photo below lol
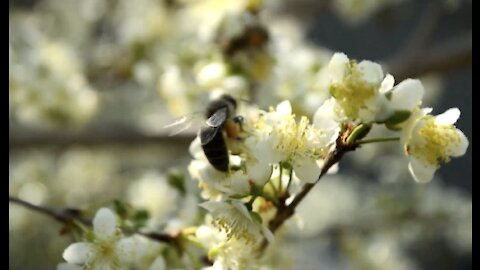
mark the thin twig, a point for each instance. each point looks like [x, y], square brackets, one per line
[284, 211]
[417, 57]
[423, 32]
[67, 215]
[93, 137]
[448, 56]
[64, 215]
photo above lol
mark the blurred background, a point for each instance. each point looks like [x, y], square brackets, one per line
[93, 82]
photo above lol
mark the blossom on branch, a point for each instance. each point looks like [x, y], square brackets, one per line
[107, 250]
[431, 140]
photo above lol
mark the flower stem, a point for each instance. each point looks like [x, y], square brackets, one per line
[249, 204]
[290, 177]
[280, 179]
[375, 140]
[285, 211]
[68, 215]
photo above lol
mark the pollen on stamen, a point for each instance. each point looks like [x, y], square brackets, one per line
[438, 142]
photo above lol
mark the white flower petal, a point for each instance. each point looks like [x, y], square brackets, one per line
[307, 170]
[77, 253]
[211, 74]
[268, 234]
[421, 171]
[195, 148]
[371, 108]
[372, 72]
[387, 84]
[242, 208]
[449, 117]
[104, 223]
[264, 149]
[460, 148]
[338, 66]
[284, 108]
[129, 249]
[259, 172]
[325, 116]
[209, 236]
[158, 264]
[239, 183]
[384, 110]
[211, 206]
[407, 95]
[426, 111]
[68, 266]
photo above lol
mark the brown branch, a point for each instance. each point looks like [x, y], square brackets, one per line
[417, 57]
[451, 55]
[284, 211]
[93, 138]
[68, 215]
[448, 56]
[64, 215]
[423, 32]
[304, 11]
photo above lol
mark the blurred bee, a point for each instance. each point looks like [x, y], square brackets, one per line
[220, 116]
[254, 36]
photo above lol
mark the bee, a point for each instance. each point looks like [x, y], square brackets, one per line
[220, 114]
[221, 121]
[254, 36]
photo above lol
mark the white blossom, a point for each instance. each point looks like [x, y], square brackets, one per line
[432, 140]
[108, 250]
[153, 193]
[403, 98]
[215, 184]
[355, 87]
[237, 222]
[211, 74]
[277, 137]
[226, 253]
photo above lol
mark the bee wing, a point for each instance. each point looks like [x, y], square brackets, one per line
[207, 133]
[218, 118]
[182, 124]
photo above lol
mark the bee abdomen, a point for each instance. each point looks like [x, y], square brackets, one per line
[216, 152]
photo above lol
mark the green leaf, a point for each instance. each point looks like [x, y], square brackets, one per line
[359, 132]
[256, 190]
[120, 208]
[398, 117]
[256, 217]
[177, 180]
[140, 218]
[393, 127]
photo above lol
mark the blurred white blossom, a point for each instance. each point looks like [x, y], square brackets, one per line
[108, 249]
[153, 193]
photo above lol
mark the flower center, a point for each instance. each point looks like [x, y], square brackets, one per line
[438, 141]
[353, 92]
[235, 225]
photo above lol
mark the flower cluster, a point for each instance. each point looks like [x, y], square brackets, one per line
[277, 151]
[361, 94]
[48, 86]
[326, 105]
[274, 153]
